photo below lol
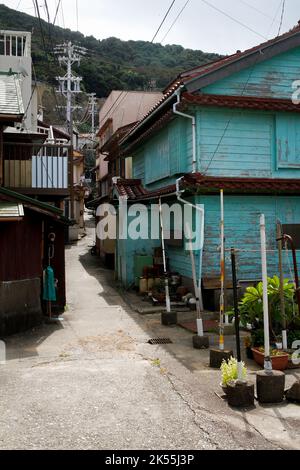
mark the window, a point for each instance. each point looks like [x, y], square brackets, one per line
[288, 141]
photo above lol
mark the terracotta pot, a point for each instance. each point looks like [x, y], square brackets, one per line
[278, 362]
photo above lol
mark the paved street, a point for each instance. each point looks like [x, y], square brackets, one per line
[93, 381]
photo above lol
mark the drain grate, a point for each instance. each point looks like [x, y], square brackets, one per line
[160, 341]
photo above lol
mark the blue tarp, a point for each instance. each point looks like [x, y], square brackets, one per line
[49, 292]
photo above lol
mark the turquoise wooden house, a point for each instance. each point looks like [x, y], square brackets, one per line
[233, 125]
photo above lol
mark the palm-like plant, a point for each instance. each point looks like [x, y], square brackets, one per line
[251, 305]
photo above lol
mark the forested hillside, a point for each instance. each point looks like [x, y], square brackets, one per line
[110, 63]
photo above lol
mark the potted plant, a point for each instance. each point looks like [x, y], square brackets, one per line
[229, 372]
[279, 358]
[251, 310]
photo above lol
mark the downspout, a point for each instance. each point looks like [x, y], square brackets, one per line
[188, 116]
[202, 212]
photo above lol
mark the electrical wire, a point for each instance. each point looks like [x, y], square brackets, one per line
[77, 15]
[18, 6]
[56, 12]
[175, 21]
[232, 18]
[233, 113]
[255, 9]
[164, 19]
[281, 19]
[35, 2]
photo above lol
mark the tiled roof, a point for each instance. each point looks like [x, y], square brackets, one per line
[189, 75]
[203, 69]
[130, 188]
[112, 143]
[203, 183]
[11, 103]
[249, 102]
[197, 182]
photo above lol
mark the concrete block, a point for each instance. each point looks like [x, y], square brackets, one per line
[270, 386]
[217, 356]
[169, 318]
[201, 342]
[240, 395]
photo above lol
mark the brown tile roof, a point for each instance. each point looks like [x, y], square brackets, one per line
[134, 190]
[203, 183]
[249, 102]
[185, 77]
[197, 182]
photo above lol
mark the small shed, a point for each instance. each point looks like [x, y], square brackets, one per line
[25, 225]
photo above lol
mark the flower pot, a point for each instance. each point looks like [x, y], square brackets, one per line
[224, 388]
[279, 362]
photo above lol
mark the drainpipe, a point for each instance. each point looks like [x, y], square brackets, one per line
[188, 116]
[201, 210]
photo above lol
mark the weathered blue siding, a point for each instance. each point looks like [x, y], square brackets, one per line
[272, 78]
[235, 143]
[127, 249]
[248, 144]
[167, 154]
[242, 231]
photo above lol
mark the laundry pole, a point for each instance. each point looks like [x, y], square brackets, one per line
[222, 273]
[196, 287]
[167, 292]
[267, 362]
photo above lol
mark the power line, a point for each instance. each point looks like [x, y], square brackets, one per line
[19, 3]
[176, 19]
[36, 5]
[232, 18]
[77, 15]
[282, 15]
[233, 113]
[56, 12]
[114, 104]
[256, 9]
[164, 19]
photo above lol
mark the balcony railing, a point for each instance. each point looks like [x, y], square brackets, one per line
[15, 44]
[33, 168]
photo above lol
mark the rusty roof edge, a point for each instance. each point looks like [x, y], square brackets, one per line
[240, 56]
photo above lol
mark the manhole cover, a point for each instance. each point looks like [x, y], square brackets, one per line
[160, 341]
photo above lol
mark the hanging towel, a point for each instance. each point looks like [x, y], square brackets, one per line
[49, 292]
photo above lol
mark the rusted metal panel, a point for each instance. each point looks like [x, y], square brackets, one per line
[20, 249]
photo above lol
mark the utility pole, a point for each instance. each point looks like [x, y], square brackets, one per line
[92, 111]
[69, 85]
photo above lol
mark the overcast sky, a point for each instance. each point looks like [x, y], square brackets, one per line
[199, 26]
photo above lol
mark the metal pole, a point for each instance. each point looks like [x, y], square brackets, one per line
[168, 302]
[289, 238]
[281, 289]
[222, 269]
[196, 288]
[236, 315]
[267, 362]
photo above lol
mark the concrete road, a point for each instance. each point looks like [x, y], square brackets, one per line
[93, 381]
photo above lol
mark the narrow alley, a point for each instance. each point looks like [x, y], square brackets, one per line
[94, 382]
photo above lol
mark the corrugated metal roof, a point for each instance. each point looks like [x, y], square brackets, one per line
[10, 210]
[10, 95]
